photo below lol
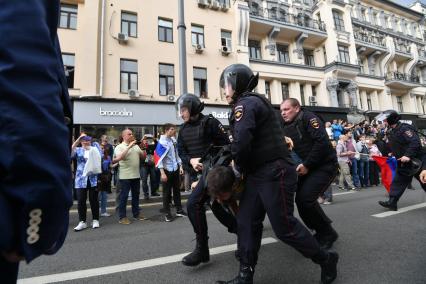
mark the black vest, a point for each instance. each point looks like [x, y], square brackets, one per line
[268, 139]
[194, 137]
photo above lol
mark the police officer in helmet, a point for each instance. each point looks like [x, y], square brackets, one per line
[260, 153]
[197, 134]
[406, 147]
[317, 168]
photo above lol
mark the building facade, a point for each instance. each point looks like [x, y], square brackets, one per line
[338, 57]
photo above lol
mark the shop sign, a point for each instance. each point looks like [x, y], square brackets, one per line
[221, 115]
[122, 112]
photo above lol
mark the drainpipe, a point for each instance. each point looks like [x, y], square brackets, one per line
[101, 67]
[182, 48]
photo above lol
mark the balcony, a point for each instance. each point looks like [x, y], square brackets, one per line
[287, 19]
[370, 38]
[402, 81]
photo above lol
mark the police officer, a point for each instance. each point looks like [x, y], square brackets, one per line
[406, 147]
[196, 135]
[317, 168]
[35, 172]
[270, 177]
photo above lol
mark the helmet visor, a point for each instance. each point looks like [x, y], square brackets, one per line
[182, 106]
[382, 116]
[227, 85]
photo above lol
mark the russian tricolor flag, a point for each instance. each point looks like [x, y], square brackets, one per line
[388, 169]
[159, 153]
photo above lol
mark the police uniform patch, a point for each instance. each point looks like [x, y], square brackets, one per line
[409, 133]
[238, 112]
[314, 123]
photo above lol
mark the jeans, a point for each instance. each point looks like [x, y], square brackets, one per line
[145, 172]
[354, 169]
[127, 185]
[364, 172]
[103, 197]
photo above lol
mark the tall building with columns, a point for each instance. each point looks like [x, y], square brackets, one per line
[341, 58]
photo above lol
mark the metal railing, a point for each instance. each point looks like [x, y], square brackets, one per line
[402, 47]
[369, 37]
[402, 77]
[287, 18]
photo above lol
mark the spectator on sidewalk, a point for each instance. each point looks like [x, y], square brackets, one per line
[337, 129]
[329, 130]
[129, 155]
[374, 168]
[353, 158]
[105, 145]
[148, 167]
[86, 180]
[364, 167]
[170, 166]
[104, 183]
[343, 160]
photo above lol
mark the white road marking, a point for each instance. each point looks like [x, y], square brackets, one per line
[125, 267]
[400, 210]
[343, 193]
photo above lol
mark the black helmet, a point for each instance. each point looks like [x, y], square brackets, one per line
[191, 102]
[391, 116]
[239, 77]
[410, 168]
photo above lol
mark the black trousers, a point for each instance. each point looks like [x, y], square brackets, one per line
[310, 187]
[400, 183]
[270, 190]
[93, 200]
[8, 271]
[374, 173]
[172, 184]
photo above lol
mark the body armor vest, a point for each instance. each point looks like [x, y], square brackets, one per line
[194, 137]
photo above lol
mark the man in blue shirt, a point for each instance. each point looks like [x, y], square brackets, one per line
[35, 176]
[170, 166]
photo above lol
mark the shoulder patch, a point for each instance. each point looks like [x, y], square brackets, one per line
[314, 123]
[238, 112]
[409, 133]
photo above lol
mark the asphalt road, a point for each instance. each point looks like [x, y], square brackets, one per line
[390, 249]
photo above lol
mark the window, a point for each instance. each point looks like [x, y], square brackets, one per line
[226, 39]
[399, 103]
[129, 24]
[363, 14]
[69, 67]
[197, 35]
[387, 24]
[374, 18]
[314, 95]
[167, 79]
[200, 82]
[254, 49]
[283, 55]
[302, 94]
[128, 75]
[268, 90]
[285, 91]
[165, 30]
[369, 106]
[68, 17]
[325, 55]
[338, 21]
[309, 57]
[344, 54]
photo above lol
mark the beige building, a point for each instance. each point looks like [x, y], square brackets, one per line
[336, 56]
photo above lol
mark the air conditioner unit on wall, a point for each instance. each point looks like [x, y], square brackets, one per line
[198, 48]
[133, 93]
[225, 50]
[171, 98]
[215, 5]
[203, 3]
[313, 99]
[122, 38]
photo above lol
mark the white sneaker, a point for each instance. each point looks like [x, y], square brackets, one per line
[326, 202]
[81, 226]
[105, 214]
[95, 224]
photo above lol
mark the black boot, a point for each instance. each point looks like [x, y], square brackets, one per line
[245, 276]
[390, 204]
[329, 268]
[326, 237]
[200, 254]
